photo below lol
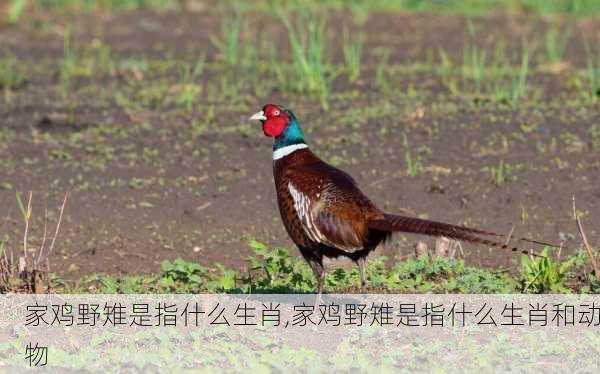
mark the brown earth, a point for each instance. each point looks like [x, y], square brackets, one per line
[145, 187]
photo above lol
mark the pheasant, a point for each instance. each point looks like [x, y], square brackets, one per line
[324, 211]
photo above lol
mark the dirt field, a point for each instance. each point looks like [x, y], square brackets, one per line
[161, 162]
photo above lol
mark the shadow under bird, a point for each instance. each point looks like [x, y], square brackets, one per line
[324, 211]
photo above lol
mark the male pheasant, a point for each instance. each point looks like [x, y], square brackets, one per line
[324, 211]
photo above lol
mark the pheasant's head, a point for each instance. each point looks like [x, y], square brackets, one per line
[281, 124]
[274, 119]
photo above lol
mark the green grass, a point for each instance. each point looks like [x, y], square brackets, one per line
[12, 75]
[309, 70]
[189, 90]
[352, 48]
[359, 8]
[228, 43]
[413, 165]
[381, 74]
[93, 5]
[544, 274]
[498, 174]
[277, 271]
[473, 67]
[592, 74]
[556, 41]
[445, 70]
[594, 134]
[15, 10]
[491, 77]
[474, 61]
[69, 64]
[519, 82]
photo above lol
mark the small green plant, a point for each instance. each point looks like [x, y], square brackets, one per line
[228, 44]
[381, 78]
[594, 133]
[188, 94]
[446, 72]
[556, 41]
[279, 271]
[192, 72]
[592, 73]
[360, 11]
[474, 60]
[104, 61]
[200, 125]
[223, 280]
[181, 275]
[68, 65]
[309, 58]
[413, 166]
[518, 88]
[498, 174]
[135, 67]
[15, 10]
[512, 89]
[594, 284]
[543, 274]
[11, 75]
[353, 55]
[445, 274]
[189, 90]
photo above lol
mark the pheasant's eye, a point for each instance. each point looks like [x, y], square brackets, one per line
[275, 112]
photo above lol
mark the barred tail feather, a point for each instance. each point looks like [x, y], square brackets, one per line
[392, 223]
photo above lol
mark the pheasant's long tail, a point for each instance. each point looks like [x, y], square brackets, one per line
[393, 223]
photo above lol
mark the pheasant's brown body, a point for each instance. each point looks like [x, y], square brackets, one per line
[327, 215]
[321, 206]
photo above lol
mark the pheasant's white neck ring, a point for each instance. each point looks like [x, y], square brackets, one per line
[284, 151]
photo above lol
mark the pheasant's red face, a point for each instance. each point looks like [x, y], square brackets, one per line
[273, 119]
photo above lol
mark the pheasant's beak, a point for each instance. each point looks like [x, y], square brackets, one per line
[260, 116]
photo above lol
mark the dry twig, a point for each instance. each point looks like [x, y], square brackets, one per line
[509, 236]
[584, 239]
[60, 216]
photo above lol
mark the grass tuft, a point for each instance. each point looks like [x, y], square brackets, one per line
[309, 56]
[556, 40]
[352, 49]
[27, 270]
[544, 274]
[228, 44]
[12, 75]
[592, 74]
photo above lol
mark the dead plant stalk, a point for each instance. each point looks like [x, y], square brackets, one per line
[584, 239]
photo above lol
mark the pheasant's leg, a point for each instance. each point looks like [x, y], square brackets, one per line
[319, 272]
[315, 261]
[320, 275]
[361, 262]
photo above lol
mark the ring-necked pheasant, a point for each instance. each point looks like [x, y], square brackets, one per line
[324, 211]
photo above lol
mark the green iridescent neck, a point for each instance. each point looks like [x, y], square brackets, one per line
[290, 136]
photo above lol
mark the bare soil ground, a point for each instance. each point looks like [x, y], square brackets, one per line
[150, 179]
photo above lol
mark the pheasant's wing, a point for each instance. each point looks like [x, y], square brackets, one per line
[331, 208]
